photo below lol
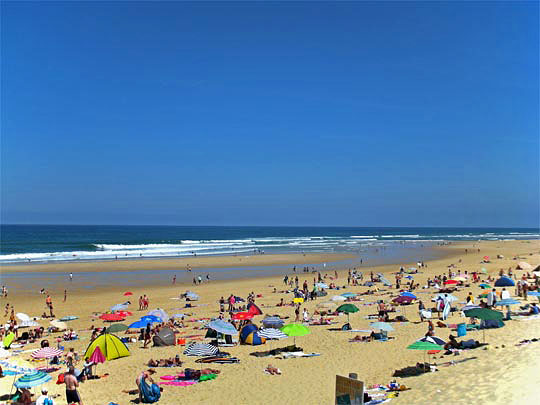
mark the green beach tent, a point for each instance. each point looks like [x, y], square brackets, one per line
[110, 345]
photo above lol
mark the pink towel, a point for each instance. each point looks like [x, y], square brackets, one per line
[172, 377]
[179, 383]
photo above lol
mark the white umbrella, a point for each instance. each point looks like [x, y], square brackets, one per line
[160, 313]
[23, 317]
[338, 298]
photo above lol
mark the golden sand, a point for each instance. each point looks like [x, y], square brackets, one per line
[496, 376]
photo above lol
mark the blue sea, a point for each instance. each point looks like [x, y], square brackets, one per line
[57, 243]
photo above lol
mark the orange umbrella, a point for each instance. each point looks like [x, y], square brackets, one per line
[242, 316]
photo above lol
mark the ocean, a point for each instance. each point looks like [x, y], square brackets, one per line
[57, 243]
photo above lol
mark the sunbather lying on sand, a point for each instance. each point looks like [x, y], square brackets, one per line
[270, 369]
[170, 362]
[359, 338]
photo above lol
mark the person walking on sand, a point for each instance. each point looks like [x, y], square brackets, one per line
[297, 313]
[65, 295]
[174, 279]
[72, 395]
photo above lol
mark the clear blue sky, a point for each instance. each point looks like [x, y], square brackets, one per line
[367, 114]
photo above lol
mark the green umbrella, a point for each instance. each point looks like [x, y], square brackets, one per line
[425, 346]
[295, 329]
[348, 309]
[484, 314]
[117, 327]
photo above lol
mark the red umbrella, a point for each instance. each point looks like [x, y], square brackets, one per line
[112, 317]
[97, 356]
[124, 313]
[451, 282]
[128, 293]
[242, 316]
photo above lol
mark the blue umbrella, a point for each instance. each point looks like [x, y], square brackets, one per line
[151, 318]
[223, 327]
[507, 301]
[408, 294]
[32, 379]
[273, 322]
[139, 324]
[348, 295]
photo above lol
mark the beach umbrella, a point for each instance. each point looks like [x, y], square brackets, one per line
[484, 314]
[119, 307]
[139, 324]
[22, 316]
[97, 356]
[424, 346]
[408, 294]
[112, 317]
[507, 301]
[348, 295]
[432, 339]
[58, 324]
[124, 313]
[322, 285]
[69, 318]
[151, 318]
[384, 326]
[46, 353]
[271, 333]
[128, 293]
[295, 329]
[273, 322]
[117, 327]
[178, 315]
[192, 296]
[484, 286]
[505, 282]
[28, 324]
[160, 313]
[403, 300]
[242, 316]
[338, 298]
[223, 327]
[347, 309]
[33, 379]
[200, 350]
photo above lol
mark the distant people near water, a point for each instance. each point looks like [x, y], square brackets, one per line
[70, 276]
[140, 303]
[199, 279]
[65, 295]
[174, 279]
[207, 277]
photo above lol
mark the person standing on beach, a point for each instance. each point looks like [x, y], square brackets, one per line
[174, 279]
[70, 276]
[297, 313]
[72, 396]
[65, 295]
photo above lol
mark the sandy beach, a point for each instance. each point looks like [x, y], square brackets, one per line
[493, 376]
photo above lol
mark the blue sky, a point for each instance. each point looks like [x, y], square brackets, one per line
[358, 114]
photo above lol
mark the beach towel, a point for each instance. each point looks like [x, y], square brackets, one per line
[178, 383]
[149, 393]
[299, 354]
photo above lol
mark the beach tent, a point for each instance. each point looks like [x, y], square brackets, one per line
[246, 331]
[110, 345]
[505, 282]
[254, 339]
[160, 313]
[254, 309]
[165, 337]
[524, 266]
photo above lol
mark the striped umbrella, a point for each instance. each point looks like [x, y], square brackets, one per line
[271, 333]
[32, 379]
[432, 339]
[46, 353]
[200, 350]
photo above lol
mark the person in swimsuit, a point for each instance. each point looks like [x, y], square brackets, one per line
[72, 396]
[144, 376]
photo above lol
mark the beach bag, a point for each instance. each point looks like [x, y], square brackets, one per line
[48, 401]
[461, 329]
